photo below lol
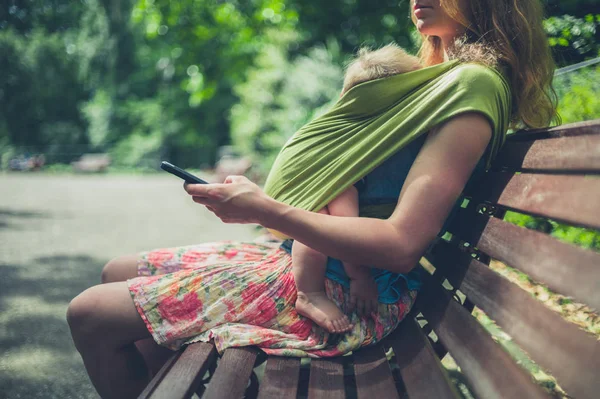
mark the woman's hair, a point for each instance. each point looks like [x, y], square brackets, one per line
[512, 31]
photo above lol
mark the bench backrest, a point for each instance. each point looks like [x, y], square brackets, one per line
[552, 173]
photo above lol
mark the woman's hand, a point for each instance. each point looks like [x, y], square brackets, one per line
[363, 295]
[237, 200]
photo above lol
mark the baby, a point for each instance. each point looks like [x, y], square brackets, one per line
[308, 265]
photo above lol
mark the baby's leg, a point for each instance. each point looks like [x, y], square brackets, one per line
[308, 267]
[363, 289]
[346, 204]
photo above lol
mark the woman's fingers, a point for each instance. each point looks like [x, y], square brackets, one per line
[360, 307]
[372, 306]
[352, 303]
[236, 179]
[204, 200]
[238, 200]
[202, 190]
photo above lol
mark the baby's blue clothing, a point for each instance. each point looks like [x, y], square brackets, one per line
[382, 186]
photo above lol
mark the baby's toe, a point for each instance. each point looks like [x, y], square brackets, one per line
[330, 326]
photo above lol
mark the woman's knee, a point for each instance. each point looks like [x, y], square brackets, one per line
[82, 316]
[105, 314]
[120, 269]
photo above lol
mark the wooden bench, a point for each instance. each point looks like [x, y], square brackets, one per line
[552, 173]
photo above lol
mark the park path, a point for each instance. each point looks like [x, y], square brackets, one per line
[56, 233]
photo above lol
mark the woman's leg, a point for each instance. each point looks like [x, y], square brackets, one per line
[122, 269]
[104, 325]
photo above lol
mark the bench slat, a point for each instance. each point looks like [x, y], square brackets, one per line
[373, 374]
[182, 373]
[566, 198]
[570, 354]
[232, 374]
[567, 130]
[573, 154]
[156, 380]
[326, 379]
[421, 370]
[490, 371]
[563, 267]
[281, 378]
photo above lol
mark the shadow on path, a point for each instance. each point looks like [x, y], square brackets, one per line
[40, 360]
[6, 214]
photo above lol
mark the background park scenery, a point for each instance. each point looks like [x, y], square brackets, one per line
[193, 82]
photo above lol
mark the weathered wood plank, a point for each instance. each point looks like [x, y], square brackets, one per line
[571, 355]
[579, 154]
[183, 373]
[566, 198]
[567, 130]
[373, 374]
[281, 378]
[232, 374]
[422, 372]
[490, 371]
[326, 379]
[156, 380]
[563, 267]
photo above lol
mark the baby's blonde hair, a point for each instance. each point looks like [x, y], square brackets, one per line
[374, 64]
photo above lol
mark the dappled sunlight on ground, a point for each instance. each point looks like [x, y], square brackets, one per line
[56, 233]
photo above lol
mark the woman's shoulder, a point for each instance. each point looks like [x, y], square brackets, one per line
[478, 77]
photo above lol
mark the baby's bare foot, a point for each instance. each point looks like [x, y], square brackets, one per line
[320, 309]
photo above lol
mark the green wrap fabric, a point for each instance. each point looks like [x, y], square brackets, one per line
[374, 120]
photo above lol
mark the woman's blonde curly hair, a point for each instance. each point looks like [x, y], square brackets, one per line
[507, 34]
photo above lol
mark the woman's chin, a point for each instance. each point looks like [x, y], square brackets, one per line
[424, 27]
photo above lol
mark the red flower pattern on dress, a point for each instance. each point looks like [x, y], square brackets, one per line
[175, 310]
[231, 253]
[232, 311]
[159, 257]
[193, 256]
[253, 291]
[266, 312]
[302, 328]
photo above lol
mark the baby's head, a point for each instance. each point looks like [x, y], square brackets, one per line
[374, 64]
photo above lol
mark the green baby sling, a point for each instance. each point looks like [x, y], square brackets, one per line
[376, 119]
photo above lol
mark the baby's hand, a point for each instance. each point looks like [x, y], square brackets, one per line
[363, 295]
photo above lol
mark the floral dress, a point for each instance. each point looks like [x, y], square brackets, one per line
[240, 294]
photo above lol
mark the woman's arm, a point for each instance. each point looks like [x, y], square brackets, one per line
[436, 179]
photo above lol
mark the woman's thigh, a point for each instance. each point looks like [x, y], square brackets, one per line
[106, 314]
[121, 269]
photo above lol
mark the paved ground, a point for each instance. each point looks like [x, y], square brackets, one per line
[56, 233]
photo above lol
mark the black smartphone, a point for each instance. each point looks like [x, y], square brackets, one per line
[188, 177]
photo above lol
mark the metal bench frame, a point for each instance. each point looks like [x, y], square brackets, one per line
[552, 173]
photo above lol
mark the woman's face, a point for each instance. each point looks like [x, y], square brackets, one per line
[432, 20]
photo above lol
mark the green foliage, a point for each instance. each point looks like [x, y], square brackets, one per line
[578, 8]
[150, 79]
[202, 51]
[355, 23]
[582, 237]
[40, 93]
[579, 95]
[573, 39]
[281, 95]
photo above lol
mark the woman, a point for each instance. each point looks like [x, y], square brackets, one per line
[244, 294]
